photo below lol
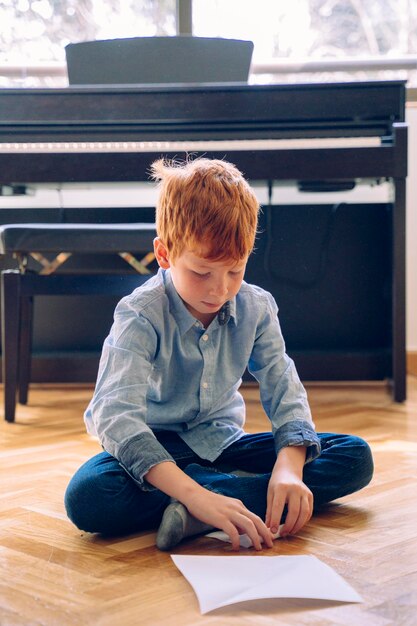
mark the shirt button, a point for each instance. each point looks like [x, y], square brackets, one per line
[205, 337]
[205, 385]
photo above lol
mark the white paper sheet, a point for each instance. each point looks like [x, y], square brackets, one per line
[223, 580]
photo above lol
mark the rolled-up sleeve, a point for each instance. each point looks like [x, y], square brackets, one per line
[118, 410]
[282, 394]
[298, 433]
[139, 454]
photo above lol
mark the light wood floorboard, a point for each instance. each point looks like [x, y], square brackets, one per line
[55, 575]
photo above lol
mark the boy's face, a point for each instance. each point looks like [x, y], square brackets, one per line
[204, 285]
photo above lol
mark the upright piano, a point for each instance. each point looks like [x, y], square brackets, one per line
[316, 133]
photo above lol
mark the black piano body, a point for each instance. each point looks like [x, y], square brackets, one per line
[59, 118]
[335, 132]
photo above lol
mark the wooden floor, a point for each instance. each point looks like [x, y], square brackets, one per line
[53, 574]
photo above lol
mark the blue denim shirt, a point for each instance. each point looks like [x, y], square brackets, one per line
[160, 369]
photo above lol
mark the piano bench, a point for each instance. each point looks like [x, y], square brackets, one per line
[20, 286]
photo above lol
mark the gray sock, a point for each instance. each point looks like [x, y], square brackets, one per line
[230, 469]
[176, 525]
[242, 473]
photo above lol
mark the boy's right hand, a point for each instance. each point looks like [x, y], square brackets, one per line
[222, 512]
[231, 516]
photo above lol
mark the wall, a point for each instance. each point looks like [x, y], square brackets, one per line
[412, 230]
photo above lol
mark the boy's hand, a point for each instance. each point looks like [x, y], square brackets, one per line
[286, 487]
[228, 514]
[231, 516]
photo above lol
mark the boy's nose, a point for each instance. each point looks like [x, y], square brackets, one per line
[219, 288]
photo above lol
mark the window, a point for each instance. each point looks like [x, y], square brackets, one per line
[382, 34]
[37, 31]
[312, 30]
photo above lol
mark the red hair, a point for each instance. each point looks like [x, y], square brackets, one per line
[205, 204]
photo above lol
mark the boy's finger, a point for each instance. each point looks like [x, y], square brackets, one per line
[276, 513]
[257, 532]
[294, 510]
[252, 532]
[264, 533]
[269, 501]
[233, 534]
[304, 516]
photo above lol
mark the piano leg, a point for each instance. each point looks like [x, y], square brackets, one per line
[10, 329]
[399, 371]
[25, 347]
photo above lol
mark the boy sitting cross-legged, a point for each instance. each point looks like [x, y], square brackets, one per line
[167, 408]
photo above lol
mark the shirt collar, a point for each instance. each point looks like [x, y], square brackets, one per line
[227, 312]
[183, 317]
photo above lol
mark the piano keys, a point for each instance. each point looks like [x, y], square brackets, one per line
[164, 147]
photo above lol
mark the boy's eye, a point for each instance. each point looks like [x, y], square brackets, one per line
[201, 275]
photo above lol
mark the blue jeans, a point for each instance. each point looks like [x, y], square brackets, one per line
[102, 498]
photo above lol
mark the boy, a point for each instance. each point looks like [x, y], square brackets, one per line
[166, 407]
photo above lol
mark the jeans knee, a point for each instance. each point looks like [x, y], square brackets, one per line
[102, 498]
[364, 464]
[70, 502]
[90, 501]
[78, 504]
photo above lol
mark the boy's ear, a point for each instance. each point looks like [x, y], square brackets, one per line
[161, 253]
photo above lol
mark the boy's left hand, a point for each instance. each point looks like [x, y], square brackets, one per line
[286, 487]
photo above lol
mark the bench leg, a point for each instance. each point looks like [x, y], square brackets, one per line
[25, 347]
[10, 326]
